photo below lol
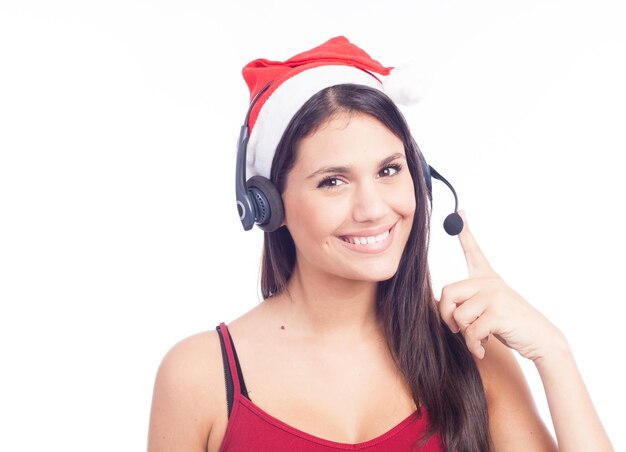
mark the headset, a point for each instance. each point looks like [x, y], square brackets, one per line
[260, 203]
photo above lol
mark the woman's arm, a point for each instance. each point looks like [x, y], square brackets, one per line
[514, 422]
[484, 306]
[576, 423]
[181, 414]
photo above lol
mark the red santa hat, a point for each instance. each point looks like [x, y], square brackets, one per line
[294, 81]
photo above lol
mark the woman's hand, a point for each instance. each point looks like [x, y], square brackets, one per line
[484, 304]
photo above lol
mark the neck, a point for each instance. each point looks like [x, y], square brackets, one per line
[331, 307]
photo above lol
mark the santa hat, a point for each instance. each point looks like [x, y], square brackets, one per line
[295, 80]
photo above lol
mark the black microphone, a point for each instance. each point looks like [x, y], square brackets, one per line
[453, 224]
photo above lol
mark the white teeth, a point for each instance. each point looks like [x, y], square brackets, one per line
[367, 240]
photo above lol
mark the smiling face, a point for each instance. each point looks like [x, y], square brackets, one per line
[349, 199]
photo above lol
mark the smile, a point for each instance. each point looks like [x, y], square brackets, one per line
[367, 240]
[369, 244]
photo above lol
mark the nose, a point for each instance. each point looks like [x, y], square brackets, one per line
[369, 203]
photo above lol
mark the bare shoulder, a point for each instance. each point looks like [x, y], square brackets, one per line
[514, 422]
[187, 394]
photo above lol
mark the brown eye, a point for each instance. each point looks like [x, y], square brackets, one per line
[330, 182]
[390, 170]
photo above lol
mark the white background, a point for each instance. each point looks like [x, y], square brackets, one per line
[118, 229]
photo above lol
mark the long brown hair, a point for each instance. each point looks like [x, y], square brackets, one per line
[439, 369]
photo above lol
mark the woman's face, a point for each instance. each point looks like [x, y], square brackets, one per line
[349, 199]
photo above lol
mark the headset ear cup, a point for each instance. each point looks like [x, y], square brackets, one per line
[267, 202]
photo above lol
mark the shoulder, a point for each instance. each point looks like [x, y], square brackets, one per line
[190, 355]
[514, 422]
[188, 394]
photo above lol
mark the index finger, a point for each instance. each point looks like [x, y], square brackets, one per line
[477, 263]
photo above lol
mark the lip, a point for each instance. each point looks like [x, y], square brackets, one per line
[370, 248]
[370, 232]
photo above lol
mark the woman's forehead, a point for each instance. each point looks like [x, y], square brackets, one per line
[348, 139]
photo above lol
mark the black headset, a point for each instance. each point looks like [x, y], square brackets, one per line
[260, 203]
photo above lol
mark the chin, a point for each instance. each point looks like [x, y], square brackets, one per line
[376, 273]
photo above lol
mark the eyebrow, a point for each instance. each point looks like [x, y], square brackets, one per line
[346, 169]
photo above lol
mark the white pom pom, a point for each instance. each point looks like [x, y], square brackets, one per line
[407, 84]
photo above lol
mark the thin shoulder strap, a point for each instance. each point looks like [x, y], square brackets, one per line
[232, 370]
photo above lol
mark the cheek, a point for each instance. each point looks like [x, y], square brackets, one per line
[406, 203]
[309, 219]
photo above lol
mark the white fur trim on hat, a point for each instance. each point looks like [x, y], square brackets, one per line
[285, 101]
[407, 84]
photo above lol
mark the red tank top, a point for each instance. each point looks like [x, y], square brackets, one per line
[251, 428]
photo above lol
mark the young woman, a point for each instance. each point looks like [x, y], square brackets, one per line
[350, 348]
